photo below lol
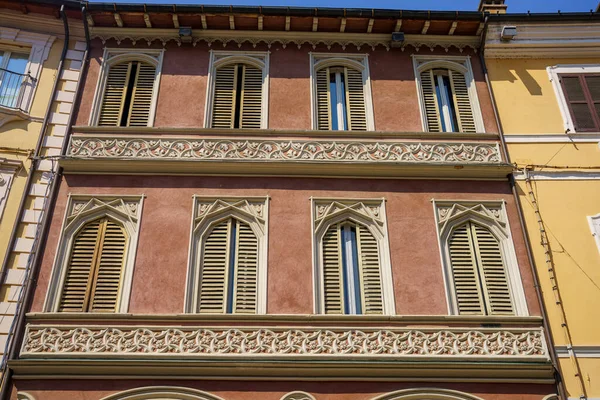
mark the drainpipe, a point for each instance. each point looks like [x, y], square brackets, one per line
[562, 393]
[37, 251]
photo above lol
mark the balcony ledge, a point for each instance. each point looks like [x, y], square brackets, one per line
[8, 114]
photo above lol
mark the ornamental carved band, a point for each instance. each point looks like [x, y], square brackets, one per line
[283, 150]
[512, 344]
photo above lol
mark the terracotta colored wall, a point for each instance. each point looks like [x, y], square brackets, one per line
[235, 390]
[182, 92]
[161, 263]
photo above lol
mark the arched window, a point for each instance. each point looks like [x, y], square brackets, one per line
[94, 262]
[482, 273]
[448, 96]
[298, 396]
[238, 90]
[128, 88]
[341, 93]
[162, 393]
[95, 268]
[228, 257]
[427, 394]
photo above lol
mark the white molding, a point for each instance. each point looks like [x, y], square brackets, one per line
[579, 351]
[594, 221]
[127, 209]
[209, 211]
[355, 61]
[162, 392]
[327, 211]
[297, 395]
[553, 74]
[558, 175]
[112, 56]
[258, 59]
[8, 170]
[568, 137]
[492, 214]
[24, 396]
[427, 394]
[461, 64]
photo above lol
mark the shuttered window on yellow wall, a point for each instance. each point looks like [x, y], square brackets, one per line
[351, 102]
[433, 90]
[128, 95]
[229, 269]
[479, 272]
[238, 97]
[95, 269]
[337, 267]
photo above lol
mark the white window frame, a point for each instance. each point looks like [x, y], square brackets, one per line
[369, 213]
[553, 75]
[115, 56]
[594, 221]
[491, 214]
[81, 209]
[39, 48]
[8, 170]
[461, 64]
[220, 58]
[209, 211]
[359, 62]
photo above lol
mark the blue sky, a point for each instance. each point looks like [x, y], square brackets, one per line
[460, 5]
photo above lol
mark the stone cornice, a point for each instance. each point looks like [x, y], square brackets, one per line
[544, 40]
[41, 23]
[239, 37]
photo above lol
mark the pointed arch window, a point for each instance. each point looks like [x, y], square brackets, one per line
[127, 89]
[341, 92]
[228, 258]
[237, 95]
[482, 274]
[448, 96]
[96, 253]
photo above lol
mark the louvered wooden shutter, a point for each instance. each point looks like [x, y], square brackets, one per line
[215, 261]
[432, 110]
[111, 109]
[251, 101]
[323, 100]
[480, 279]
[462, 102]
[223, 111]
[370, 272]
[355, 100]
[332, 267]
[246, 270]
[582, 94]
[95, 268]
[141, 98]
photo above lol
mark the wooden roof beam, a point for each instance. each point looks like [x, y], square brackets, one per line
[425, 27]
[203, 18]
[480, 29]
[453, 28]
[315, 24]
[176, 21]
[260, 22]
[370, 27]
[232, 22]
[118, 20]
[343, 25]
[90, 20]
[398, 25]
[288, 22]
[147, 20]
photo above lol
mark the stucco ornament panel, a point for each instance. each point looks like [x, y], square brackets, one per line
[79, 207]
[282, 150]
[326, 210]
[451, 211]
[65, 341]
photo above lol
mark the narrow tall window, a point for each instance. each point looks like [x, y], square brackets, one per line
[446, 101]
[128, 94]
[95, 268]
[229, 274]
[238, 97]
[12, 77]
[582, 94]
[340, 99]
[481, 283]
[351, 270]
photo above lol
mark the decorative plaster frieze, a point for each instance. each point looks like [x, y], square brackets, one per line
[329, 39]
[134, 342]
[349, 151]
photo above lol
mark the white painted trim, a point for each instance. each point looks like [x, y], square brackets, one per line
[553, 73]
[298, 396]
[201, 225]
[553, 138]
[426, 394]
[162, 392]
[7, 174]
[461, 64]
[72, 221]
[379, 231]
[594, 221]
[580, 351]
[218, 58]
[24, 396]
[559, 175]
[359, 62]
[113, 56]
[502, 233]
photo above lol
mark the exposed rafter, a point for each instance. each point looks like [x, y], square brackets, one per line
[453, 28]
[203, 18]
[425, 27]
[398, 25]
[315, 26]
[147, 20]
[480, 29]
[118, 20]
[175, 21]
[288, 21]
[260, 22]
[231, 22]
[343, 25]
[370, 27]
[90, 20]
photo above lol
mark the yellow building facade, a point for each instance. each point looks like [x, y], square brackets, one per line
[39, 73]
[545, 76]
